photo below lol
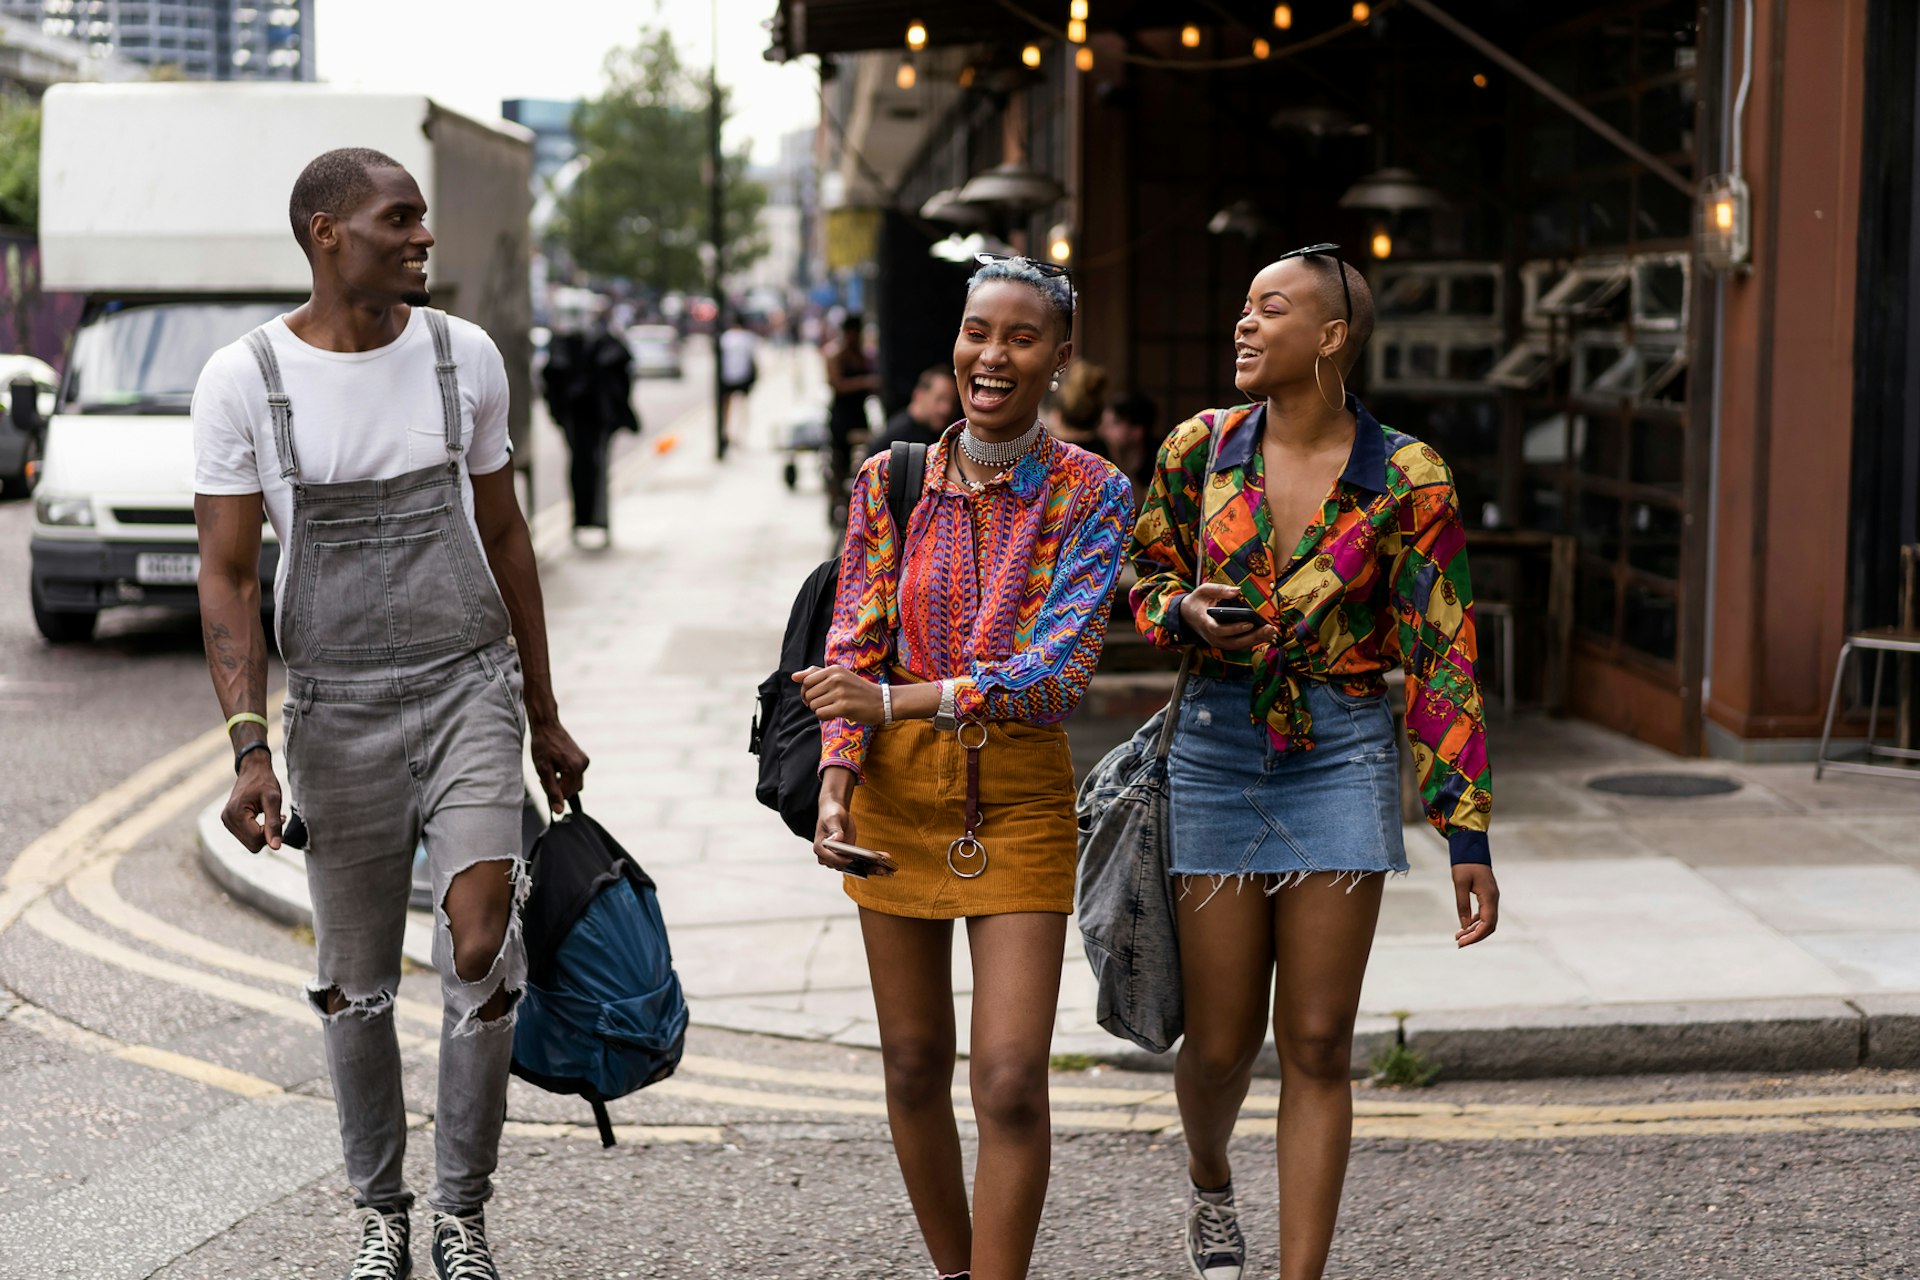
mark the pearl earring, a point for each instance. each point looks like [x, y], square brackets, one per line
[1054, 385]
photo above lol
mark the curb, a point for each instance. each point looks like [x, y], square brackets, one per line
[1819, 1033]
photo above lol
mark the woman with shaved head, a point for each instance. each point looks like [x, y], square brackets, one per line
[1303, 550]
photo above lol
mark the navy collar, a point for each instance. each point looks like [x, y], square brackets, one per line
[1366, 465]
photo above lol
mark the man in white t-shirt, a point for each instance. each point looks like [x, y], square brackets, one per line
[371, 432]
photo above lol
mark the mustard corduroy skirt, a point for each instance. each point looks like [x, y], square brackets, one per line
[913, 805]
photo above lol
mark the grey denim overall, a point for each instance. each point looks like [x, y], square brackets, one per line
[403, 720]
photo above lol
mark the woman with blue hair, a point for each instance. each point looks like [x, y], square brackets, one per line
[958, 645]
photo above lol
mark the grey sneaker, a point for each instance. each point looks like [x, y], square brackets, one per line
[1215, 1248]
[460, 1249]
[384, 1254]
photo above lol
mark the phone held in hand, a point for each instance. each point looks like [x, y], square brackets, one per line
[1235, 615]
[862, 862]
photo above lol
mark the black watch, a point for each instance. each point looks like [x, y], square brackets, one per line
[259, 744]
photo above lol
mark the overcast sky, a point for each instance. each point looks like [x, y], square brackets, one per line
[471, 54]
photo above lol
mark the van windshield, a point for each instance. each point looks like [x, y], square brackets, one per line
[145, 358]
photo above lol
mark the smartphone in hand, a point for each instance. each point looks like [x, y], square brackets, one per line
[862, 862]
[1235, 615]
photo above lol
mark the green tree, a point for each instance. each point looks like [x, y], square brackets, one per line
[639, 206]
[19, 162]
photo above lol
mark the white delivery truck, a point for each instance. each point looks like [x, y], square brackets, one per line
[166, 205]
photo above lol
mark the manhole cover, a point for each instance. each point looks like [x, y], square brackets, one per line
[1670, 786]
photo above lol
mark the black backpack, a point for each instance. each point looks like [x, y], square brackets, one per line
[786, 736]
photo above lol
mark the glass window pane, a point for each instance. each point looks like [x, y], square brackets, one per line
[1653, 539]
[1593, 601]
[1408, 295]
[1600, 525]
[1658, 455]
[1651, 623]
[1473, 295]
[1665, 213]
[1604, 451]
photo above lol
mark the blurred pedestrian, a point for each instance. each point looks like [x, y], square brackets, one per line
[416, 651]
[851, 378]
[997, 593]
[1077, 406]
[1129, 438]
[588, 385]
[739, 370]
[931, 410]
[1303, 550]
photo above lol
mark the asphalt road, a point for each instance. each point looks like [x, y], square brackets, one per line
[164, 1110]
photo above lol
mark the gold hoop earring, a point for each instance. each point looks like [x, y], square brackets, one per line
[1321, 386]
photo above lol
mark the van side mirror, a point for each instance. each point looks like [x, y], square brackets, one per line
[23, 408]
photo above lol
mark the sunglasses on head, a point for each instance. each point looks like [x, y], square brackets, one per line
[1049, 269]
[1331, 252]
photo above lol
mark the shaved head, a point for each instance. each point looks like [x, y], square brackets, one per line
[1325, 273]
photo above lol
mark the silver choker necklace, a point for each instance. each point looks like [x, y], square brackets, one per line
[1000, 453]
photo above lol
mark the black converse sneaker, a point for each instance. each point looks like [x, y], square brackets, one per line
[383, 1254]
[1215, 1248]
[460, 1249]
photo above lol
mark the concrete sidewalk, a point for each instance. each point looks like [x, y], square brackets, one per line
[1775, 927]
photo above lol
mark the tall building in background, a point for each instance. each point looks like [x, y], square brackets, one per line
[551, 120]
[200, 39]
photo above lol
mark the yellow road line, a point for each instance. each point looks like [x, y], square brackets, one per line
[56, 1028]
[92, 887]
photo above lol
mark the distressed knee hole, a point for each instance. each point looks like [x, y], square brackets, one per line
[332, 1004]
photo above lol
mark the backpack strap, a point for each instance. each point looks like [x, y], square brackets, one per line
[603, 1121]
[906, 480]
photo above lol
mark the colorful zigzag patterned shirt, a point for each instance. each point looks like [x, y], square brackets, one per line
[1006, 591]
[1379, 579]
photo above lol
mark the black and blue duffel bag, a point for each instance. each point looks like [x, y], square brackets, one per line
[603, 1013]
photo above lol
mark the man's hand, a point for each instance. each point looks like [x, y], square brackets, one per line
[253, 808]
[835, 693]
[560, 762]
[1214, 635]
[1475, 881]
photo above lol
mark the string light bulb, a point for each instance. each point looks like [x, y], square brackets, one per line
[1060, 243]
[905, 77]
[1031, 55]
[1083, 58]
[1362, 12]
[1479, 79]
[1077, 30]
[1190, 36]
[965, 78]
[916, 35]
[1078, 10]
[1283, 17]
[1261, 49]
[1382, 245]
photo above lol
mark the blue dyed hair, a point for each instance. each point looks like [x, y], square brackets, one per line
[1056, 291]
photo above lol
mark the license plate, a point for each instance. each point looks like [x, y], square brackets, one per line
[160, 569]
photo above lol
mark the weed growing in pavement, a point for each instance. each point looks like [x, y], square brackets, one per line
[1072, 1062]
[1399, 1065]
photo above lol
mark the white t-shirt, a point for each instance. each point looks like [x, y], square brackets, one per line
[357, 415]
[737, 347]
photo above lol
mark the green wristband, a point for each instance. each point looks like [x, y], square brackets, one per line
[247, 717]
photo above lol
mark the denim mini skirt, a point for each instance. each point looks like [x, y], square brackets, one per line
[1237, 807]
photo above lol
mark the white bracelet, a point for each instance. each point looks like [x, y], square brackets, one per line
[886, 703]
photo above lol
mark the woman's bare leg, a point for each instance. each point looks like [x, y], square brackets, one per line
[911, 965]
[1016, 989]
[1321, 936]
[1226, 958]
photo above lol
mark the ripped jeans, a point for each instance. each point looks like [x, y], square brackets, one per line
[373, 767]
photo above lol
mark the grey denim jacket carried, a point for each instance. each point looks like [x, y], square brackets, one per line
[1125, 898]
